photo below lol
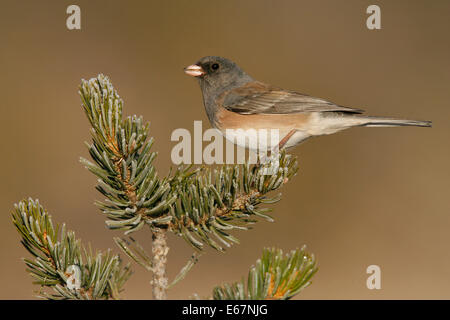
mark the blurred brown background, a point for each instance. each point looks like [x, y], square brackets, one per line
[364, 196]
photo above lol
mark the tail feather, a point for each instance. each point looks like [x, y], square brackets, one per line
[391, 122]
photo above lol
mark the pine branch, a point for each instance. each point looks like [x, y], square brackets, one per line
[200, 205]
[275, 277]
[61, 262]
[212, 203]
[123, 161]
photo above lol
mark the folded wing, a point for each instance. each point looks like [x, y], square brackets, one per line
[257, 97]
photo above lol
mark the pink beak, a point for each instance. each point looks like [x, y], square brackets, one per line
[194, 70]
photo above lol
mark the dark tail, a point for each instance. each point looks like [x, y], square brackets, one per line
[390, 122]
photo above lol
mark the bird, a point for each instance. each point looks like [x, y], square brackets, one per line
[238, 106]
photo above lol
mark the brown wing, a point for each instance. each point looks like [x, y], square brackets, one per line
[257, 97]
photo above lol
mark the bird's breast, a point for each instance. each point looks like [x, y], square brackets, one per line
[261, 131]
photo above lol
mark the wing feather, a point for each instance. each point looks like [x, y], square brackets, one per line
[257, 97]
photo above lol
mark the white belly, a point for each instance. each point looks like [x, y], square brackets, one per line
[297, 138]
[262, 140]
[268, 139]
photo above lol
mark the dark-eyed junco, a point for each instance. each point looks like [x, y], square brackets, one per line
[234, 100]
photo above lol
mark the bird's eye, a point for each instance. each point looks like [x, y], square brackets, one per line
[215, 66]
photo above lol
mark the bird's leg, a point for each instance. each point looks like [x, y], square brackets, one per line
[286, 139]
[276, 149]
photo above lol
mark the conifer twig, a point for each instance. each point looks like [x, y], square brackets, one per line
[275, 277]
[62, 263]
[201, 205]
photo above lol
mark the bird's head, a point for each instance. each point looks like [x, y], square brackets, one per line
[217, 73]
